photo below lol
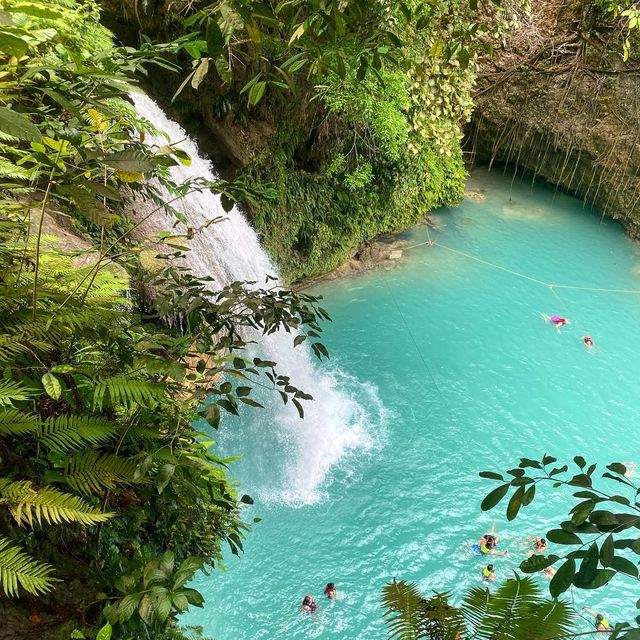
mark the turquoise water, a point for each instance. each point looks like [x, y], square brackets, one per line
[470, 378]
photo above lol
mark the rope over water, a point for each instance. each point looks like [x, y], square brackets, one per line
[524, 276]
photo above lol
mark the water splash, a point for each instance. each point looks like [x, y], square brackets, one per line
[286, 458]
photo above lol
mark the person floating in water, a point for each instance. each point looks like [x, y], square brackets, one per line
[602, 624]
[488, 544]
[330, 591]
[488, 574]
[558, 321]
[539, 544]
[309, 604]
[587, 341]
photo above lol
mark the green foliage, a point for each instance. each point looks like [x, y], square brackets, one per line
[154, 591]
[319, 220]
[105, 479]
[514, 611]
[622, 16]
[369, 94]
[17, 569]
[598, 534]
[28, 505]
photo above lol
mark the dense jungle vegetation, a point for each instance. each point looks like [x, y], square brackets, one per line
[351, 110]
[111, 494]
[111, 498]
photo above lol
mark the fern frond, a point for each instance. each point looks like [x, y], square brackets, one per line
[12, 391]
[27, 505]
[70, 433]
[127, 392]
[17, 569]
[61, 434]
[15, 422]
[10, 348]
[13, 171]
[90, 473]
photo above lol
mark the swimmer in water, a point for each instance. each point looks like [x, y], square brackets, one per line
[488, 574]
[549, 572]
[558, 321]
[308, 604]
[602, 624]
[540, 544]
[587, 341]
[631, 467]
[330, 591]
[488, 544]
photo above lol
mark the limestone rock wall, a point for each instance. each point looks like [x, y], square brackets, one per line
[559, 101]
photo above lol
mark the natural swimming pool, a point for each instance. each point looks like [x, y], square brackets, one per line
[460, 374]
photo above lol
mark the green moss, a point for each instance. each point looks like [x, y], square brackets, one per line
[318, 221]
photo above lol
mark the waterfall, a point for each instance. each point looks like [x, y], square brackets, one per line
[283, 457]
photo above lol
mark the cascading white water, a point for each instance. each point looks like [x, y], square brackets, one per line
[289, 457]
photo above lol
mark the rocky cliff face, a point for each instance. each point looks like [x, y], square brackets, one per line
[559, 101]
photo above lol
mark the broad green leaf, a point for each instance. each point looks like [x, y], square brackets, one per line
[537, 563]
[17, 125]
[563, 578]
[602, 577]
[581, 480]
[607, 551]
[624, 566]
[211, 414]
[129, 161]
[515, 503]
[603, 518]
[37, 10]
[493, 498]
[256, 92]
[588, 566]
[560, 536]
[529, 495]
[104, 633]
[182, 156]
[164, 476]
[11, 44]
[491, 475]
[581, 511]
[214, 38]
[52, 386]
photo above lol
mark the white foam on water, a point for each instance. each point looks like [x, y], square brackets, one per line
[336, 425]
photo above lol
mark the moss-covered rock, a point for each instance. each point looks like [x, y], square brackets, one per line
[560, 101]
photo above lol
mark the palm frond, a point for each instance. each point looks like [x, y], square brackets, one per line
[28, 505]
[508, 608]
[550, 619]
[402, 602]
[17, 569]
[516, 610]
[475, 607]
